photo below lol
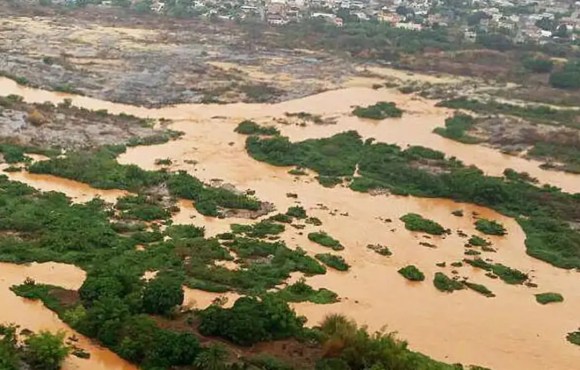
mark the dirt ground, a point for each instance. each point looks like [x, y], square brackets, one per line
[153, 61]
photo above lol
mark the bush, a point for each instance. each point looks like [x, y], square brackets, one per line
[490, 227]
[325, 240]
[378, 111]
[301, 292]
[481, 289]
[46, 351]
[251, 320]
[545, 298]
[412, 273]
[334, 261]
[574, 337]
[538, 65]
[296, 211]
[455, 128]
[443, 283]
[252, 128]
[415, 222]
[478, 241]
[162, 294]
[568, 77]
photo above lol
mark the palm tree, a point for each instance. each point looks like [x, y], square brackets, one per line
[212, 358]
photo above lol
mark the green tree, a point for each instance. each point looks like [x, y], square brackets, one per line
[46, 351]
[212, 358]
[162, 294]
[8, 348]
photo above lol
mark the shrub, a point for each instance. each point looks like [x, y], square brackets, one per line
[568, 77]
[574, 337]
[334, 261]
[538, 65]
[415, 222]
[325, 240]
[162, 294]
[252, 128]
[455, 128]
[490, 227]
[412, 273]
[378, 111]
[301, 292]
[46, 351]
[478, 241]
[296, 211]
[251, 320]
[481, 289]
[545, 298]
[443, 283]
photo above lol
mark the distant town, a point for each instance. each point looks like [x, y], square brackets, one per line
[520, 21]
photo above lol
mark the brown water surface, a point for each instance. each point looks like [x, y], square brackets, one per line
[510, 331]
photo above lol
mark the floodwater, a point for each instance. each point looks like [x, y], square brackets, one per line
[510, 331]
[34, 316]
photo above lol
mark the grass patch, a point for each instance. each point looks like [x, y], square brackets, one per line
[455, 128]
[545, 298]
[478, 241]
[507, 274]
[302, 292]
[380, 249]
[378, 111]
[334, 261]
[481, 289]
[325, 240]
[415, 222]
[490, 227]
[297, 212]
[445, 284]
[574, 337]
[412, 273]
[252, 128]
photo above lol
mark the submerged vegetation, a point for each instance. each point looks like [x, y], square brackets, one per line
[415, 222]
[545, 298]
[334, 261]
[455, 128]
[490, 227]
[507, 274]
[252, 128]
[412, 273]
[378, 111]
[325, 240]
[544, 212]
[100, 169]
[445, 284]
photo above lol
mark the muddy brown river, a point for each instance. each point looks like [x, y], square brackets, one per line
[510, 331]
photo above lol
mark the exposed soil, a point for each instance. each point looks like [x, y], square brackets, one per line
[154, 61]
[67, 127]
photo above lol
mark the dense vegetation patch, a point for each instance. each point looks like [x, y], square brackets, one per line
[481, 289]
[537, 113]
[490, 227]
[100, 169]
[568, 77]
[412, 273]
[297, 212]
[37, 351]
[252, 128]
[378, 111]
[550, 297]
[334, 261]
[574, 337]
[544, 212]
[507, 274]
[455, 128]
[445, 284]
[478, 241]
[415, 222]
[325, 240]
[301, 292]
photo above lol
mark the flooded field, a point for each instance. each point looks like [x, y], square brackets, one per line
[510, 331]
[34, 316]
